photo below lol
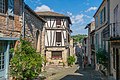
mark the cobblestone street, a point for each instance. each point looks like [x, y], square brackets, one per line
[72, 73]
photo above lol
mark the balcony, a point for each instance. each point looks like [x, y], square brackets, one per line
[112, 32]
[115, 31]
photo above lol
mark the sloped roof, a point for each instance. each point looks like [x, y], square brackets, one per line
[50, 13]
[28, 8]
[53, 14]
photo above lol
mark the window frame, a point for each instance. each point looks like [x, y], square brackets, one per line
[2, 6]
[56, 55]
[96, 21]
[58, 23]
[2, 55]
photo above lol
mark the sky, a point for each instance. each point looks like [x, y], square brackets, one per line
[80, 11]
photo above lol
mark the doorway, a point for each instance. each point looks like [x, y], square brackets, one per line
[117, 64]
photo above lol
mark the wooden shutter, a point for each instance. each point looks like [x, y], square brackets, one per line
[58, 36]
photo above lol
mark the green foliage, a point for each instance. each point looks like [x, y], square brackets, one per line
[26, 63]
[71, 60]
[102, 57]
[77, 38]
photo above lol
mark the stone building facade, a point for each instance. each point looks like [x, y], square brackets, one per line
[16, 20]
[101, 22]
[112, 35]
[91, 47]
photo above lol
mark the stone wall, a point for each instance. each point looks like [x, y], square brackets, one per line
[49, 59]
[71, 47]
[12, 26]
[33, 29]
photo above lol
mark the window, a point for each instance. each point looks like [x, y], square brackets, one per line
[68, 38]
[58, 36]
[115, 20]
[56, 55]
[116, 14]
[97, 41]
[2, 47]
[96, 21]
[103, 15]
[2, 6]
[58, 23]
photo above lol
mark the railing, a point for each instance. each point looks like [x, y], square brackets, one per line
[115, 30]
[112, 31]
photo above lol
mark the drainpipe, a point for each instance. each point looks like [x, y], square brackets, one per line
[7, 61]
[23, 18]
[109, 63]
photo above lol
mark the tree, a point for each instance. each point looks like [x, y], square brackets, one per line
[26, 64]
[102, 57]
[77, 38]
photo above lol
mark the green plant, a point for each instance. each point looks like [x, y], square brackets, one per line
[102, 57]
[51, 62]
[71, 60]
[26, 63]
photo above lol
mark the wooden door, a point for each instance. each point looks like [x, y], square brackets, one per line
[117, 64]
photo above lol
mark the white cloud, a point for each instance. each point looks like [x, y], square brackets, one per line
[69, 13]
[76, 18]
[87, 16]
[43, 8]
[91, 9]
[79, 22]
[92, 19]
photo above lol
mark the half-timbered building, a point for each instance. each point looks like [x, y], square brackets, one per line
[56, 34]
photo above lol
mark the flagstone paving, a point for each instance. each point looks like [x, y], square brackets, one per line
[72, 73]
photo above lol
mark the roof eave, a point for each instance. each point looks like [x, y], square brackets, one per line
[28, 8]
[99, 8]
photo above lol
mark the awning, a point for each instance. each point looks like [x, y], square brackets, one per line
[9, 39]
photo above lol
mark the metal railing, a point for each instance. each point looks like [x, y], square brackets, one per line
[115, 30]
[112, 30]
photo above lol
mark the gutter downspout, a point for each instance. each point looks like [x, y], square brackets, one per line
[109, 63]
[23, 15]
